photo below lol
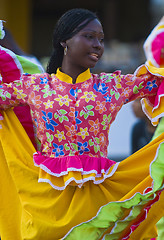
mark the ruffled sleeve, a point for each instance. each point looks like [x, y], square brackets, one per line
[153, 106]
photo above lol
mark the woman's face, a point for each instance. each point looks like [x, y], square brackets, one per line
[87, 46]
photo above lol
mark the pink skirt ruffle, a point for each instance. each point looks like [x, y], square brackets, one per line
[85, 164]
[60, 172]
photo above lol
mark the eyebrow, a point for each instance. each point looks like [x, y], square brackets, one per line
[90, 30]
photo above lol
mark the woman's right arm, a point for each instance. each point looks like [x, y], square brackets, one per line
[15, 93]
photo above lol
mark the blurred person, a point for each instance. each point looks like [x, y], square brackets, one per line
[70, 189]
[24, 62]
[143, 130]
[154, 51]
[9, 42]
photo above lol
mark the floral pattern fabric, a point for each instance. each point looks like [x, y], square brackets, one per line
[74, 119]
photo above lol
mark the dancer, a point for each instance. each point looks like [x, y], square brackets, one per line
[21, 64]
[70, 189]
[142, 130]
[154, 51]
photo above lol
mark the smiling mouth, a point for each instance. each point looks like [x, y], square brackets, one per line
[94, 55]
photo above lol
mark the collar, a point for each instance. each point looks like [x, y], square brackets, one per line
[66, 78]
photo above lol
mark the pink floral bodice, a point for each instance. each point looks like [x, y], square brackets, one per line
[74, 119]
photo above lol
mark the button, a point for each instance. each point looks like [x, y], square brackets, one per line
[74, 136]
[73, 122]
[76, 153]
[74, 102]
[74, 87]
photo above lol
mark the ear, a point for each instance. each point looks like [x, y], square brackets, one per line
[63, 44]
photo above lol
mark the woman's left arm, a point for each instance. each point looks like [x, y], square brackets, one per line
[132, 86]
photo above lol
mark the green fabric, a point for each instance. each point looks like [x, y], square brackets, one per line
[159, 130]
[105, 219]
[157, 169]
[120, 214]
[2, 32]
[28, 66]
[160, 229]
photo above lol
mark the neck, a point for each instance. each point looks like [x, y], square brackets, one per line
[72, 71]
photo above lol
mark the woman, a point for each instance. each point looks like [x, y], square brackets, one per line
[71, 190]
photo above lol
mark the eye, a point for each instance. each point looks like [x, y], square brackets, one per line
[88, 36]
[101, 40]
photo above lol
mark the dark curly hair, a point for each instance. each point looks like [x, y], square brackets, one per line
[67, 26]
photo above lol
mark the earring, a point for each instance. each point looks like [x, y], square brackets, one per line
[65, 50]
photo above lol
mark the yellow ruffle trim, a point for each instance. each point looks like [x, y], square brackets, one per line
[74, 178]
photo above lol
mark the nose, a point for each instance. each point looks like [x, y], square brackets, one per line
[97, 43]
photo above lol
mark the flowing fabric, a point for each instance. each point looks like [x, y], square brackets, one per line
[35, 210]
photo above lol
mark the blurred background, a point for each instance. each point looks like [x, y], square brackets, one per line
[126, 25]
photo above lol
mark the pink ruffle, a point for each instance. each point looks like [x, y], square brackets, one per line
[81, 163]
[159, 94]
[156, 47]
[10, 66]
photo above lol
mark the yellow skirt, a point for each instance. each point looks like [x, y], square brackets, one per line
[125, 206]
